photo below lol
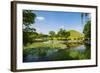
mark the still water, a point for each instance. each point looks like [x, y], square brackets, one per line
[78, 52]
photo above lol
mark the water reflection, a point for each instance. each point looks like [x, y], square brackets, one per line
[73, 51]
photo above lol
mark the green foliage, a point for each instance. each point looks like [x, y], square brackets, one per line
[45, 45]
[87, 30]
[73, 44]
[74, 54]
[61, 54]
[52, 33]
[28, 19]
[84, 17]
[62, 34]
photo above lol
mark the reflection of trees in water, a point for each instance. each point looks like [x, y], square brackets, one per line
[55, 54]
[69, 54]
[88, 50]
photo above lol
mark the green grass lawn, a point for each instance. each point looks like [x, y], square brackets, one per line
[45, 45]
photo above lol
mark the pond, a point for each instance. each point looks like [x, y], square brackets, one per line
[72, 51]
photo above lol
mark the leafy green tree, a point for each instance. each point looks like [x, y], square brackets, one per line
[34, 36]
[42, 36]
[84, 16]
[67, 34]
[52, 34]
[87, 30]
[28, 20]
[28, 17]
[62, 33]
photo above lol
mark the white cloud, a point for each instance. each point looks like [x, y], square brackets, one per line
[40, 18]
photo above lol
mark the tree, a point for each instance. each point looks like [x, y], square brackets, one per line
[87, 30]
[42, 36]
[28, 17]
[52, 34]
[34, 36]
[62, 33]
[84, 17]
[28, 20]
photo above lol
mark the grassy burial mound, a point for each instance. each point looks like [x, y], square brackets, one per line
[75, 36]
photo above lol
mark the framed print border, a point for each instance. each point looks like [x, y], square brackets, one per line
[14, 35]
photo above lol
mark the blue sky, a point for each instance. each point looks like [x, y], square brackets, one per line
[52, 21]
